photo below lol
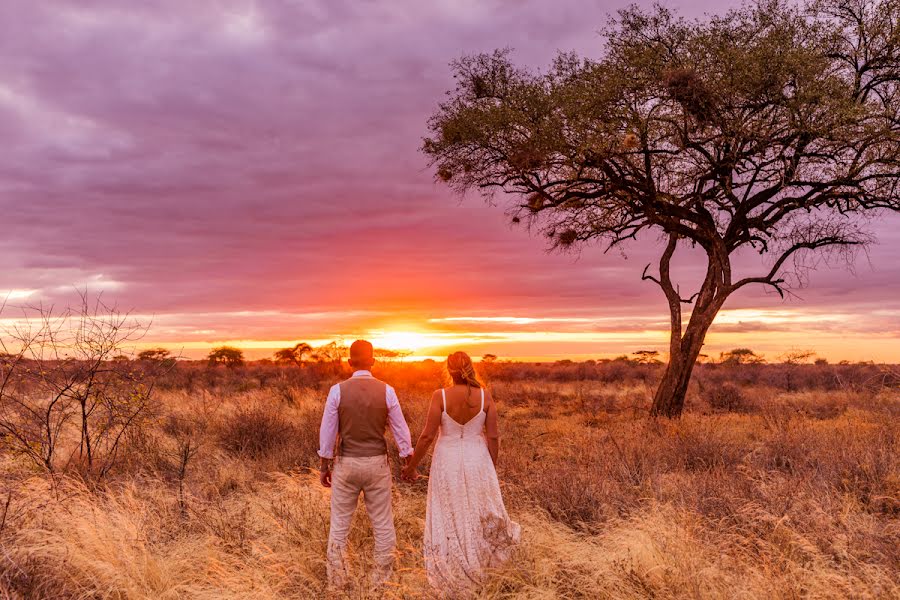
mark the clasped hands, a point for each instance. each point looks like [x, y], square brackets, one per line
[408, 471]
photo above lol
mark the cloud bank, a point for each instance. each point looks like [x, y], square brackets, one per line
[250, 170]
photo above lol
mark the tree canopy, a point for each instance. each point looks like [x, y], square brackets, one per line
[296, 354]
[226, 355]
[155, 354]
[741, 356]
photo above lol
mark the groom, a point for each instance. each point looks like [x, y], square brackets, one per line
[359, 409]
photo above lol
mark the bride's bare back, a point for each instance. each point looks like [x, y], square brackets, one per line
[464, 403]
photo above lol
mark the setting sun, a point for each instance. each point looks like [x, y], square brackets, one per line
[405, 340]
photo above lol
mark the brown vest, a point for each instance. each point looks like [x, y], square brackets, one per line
[362, 415]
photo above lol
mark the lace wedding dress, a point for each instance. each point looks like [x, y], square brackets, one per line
[467, 529]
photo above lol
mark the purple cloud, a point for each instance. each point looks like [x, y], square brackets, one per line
[206, 158]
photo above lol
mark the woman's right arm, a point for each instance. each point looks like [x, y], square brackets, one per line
[491, 428]
[432, 425]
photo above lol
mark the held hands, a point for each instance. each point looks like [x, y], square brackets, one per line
[408, 471]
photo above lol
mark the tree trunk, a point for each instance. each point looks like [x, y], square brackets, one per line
[672, 390]
[683, 352]
[684, 348]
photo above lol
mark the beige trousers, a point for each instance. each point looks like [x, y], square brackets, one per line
[370, 475]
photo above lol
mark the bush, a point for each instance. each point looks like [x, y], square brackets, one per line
[256, 431]
[725, 397]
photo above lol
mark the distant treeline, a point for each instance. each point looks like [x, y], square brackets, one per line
[430, 374]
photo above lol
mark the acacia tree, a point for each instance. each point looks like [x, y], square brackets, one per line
[296, 354]
[229, 356]
[741, 356]
[774, 128]
[331, 354]
[158, 354]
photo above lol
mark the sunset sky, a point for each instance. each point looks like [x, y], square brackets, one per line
[249, 173]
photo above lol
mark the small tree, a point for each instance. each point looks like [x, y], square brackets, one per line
[226, 355]
[791, 360]
[159, 354]
[797, 357]
[387, 354]
[772, 129]
[331, 354]
[489, 359]
[296, 354]
[647, 357]
[741, 356]
[62, 377]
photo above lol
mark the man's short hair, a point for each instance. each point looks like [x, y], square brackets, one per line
[362, 353]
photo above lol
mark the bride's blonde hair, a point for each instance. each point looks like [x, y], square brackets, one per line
[462, 371]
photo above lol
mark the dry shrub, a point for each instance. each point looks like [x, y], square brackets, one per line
[865, 464]
[604, 401]
[288, 392]
[725, 397]
[699, 445]
[526, 394]
[256, 431]
[570, 493]
[788, 445]
[278, 436]
[821, 405]
[594, 477]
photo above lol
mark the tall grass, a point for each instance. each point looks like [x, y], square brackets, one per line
[796, 494]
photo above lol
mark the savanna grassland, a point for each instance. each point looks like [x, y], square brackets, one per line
[780, 481]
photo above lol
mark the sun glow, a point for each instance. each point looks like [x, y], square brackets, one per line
[405, 340]
[770, 332]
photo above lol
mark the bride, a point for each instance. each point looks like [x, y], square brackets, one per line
[467, 529]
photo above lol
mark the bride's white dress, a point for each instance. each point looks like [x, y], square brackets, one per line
[467, 528]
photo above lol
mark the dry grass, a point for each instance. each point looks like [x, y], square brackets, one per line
[795, 496]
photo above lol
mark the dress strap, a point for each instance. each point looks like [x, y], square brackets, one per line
[444, 396]
[482, 399]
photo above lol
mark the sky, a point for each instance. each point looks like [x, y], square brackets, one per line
[249, 173]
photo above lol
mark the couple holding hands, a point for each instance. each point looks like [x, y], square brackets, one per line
[467, 528]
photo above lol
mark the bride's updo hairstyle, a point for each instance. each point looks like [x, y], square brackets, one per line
[462, 371]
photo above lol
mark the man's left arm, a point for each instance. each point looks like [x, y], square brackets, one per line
[398, 425]
[328, 434]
